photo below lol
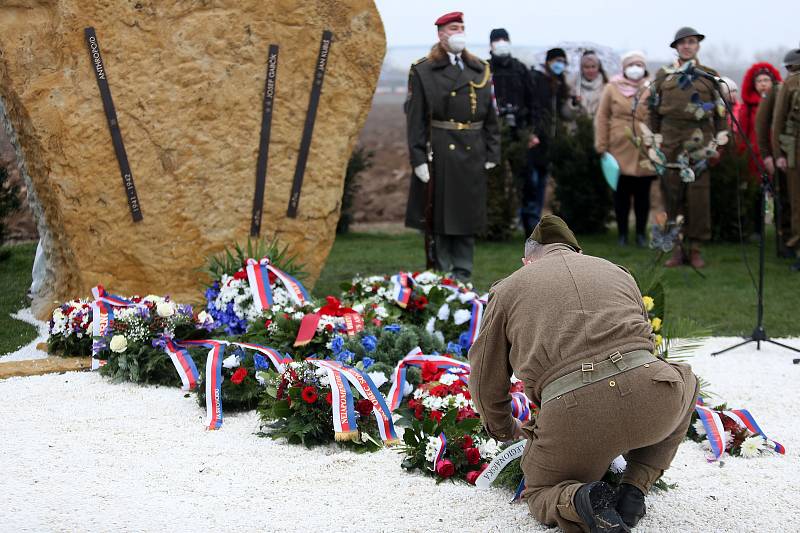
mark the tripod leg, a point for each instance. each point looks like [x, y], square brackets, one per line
[783, 345]
[733, 347]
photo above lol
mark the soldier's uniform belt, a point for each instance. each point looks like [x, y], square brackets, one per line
[589, 373]
[448, 125]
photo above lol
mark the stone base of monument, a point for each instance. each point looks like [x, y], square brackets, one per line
[48, 365]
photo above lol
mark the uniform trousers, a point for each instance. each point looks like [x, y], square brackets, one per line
[454, 253]
[692, 200]
[642, 414]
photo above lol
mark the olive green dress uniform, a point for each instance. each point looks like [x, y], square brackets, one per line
[548, 319]
[440, 92]
[673, 114]
[786, 143]
[763, 127]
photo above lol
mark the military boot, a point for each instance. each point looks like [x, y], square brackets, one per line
[594, 503]
[695, 259]
[677, 258]
[630, 504]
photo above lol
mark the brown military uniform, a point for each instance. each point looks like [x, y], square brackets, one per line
[543, 322]
[786, 143]
[676, 114]
[763, 128]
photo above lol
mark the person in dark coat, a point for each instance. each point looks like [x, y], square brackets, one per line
[549, 106]
[453, 139]
[513, 84]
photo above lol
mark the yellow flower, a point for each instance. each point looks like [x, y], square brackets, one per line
[659, 339]
[656, 323]
[648, 302]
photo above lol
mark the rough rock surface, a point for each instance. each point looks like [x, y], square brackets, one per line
[187, 80]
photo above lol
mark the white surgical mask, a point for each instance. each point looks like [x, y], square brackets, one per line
[634, 72]
[457, 42]
[501, 48]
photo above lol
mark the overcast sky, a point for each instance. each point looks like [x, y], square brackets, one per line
[745, 26]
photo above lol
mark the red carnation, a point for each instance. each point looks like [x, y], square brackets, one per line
[329, 327]
[449, 282]
[464, 413]
[468, 443]
[445, 468]
[418, 410]
[329, 398]
[364, 407]
[430, 372]
[440, 390]
[309, 394]
[240, 275]
[239, 375]
[473, 455]
[472, 476]
[267, 323]
[415, 274]
[436, 415]
[412, 403]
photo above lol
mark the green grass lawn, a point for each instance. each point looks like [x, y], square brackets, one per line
[724, 300]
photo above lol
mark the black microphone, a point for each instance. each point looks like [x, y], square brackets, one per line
[697, 71]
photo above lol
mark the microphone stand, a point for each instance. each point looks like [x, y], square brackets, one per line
[759, 334]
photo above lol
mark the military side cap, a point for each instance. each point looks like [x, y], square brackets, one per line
[551, 230]
[792, 58]
[455, 16]
[686, 32]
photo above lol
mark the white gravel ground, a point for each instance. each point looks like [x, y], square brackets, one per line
[29, 351]
[81, 454]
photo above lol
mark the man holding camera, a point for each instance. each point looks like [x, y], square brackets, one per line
[573, 328]
[453, 139]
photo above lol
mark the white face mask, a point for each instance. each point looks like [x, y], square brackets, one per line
[457, 42]
[501, 48]
[634, 72]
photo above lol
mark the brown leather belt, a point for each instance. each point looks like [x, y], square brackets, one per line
[452, 125]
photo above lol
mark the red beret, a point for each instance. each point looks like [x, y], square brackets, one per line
[455, 16]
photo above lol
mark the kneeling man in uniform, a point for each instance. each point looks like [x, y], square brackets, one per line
[574, 329]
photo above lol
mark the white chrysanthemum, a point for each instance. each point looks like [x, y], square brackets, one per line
[359, 308]
[381, 312]
[448, 378]
[58, 314]
[752, 446]
[324, 381]
[430, 449]
[700, 428]
[427, 278]
[166, 309]
[434, 403]
[488, 448]
[461, 401]
[378, 378]
[444, 312]
[419, 393]
[461, 316]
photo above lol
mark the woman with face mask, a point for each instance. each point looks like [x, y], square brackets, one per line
[756, 85]
[612, 124]
[548, 107]
[590, 83]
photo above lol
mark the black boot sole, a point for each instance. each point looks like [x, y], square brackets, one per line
[605, 518]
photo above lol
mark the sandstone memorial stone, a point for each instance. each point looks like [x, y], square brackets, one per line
[188, 84]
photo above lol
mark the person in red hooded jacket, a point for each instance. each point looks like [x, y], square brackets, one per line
[756, 85]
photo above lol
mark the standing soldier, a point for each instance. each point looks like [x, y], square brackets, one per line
[687, 110]
[786, 142]
[763, 127]
[453, 139]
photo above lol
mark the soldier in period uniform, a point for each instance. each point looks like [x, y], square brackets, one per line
[573, 328]
[786, 143]
[687, 110]
[453, 139]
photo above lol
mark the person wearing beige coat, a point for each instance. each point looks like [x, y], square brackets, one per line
[614, 124]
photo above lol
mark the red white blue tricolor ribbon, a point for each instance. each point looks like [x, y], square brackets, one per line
[213, 379]
[520, 406]
[366, 387]
[345, 426]
[278, 361]
[714, 429]
[184, 364]
[103, 308]
[746, 420]
[403, 287]
[416, 358]
[258, 278]
[441, 449]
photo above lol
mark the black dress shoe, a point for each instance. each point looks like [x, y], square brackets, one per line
[623, 240]
[630, 504]
[595, 504]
